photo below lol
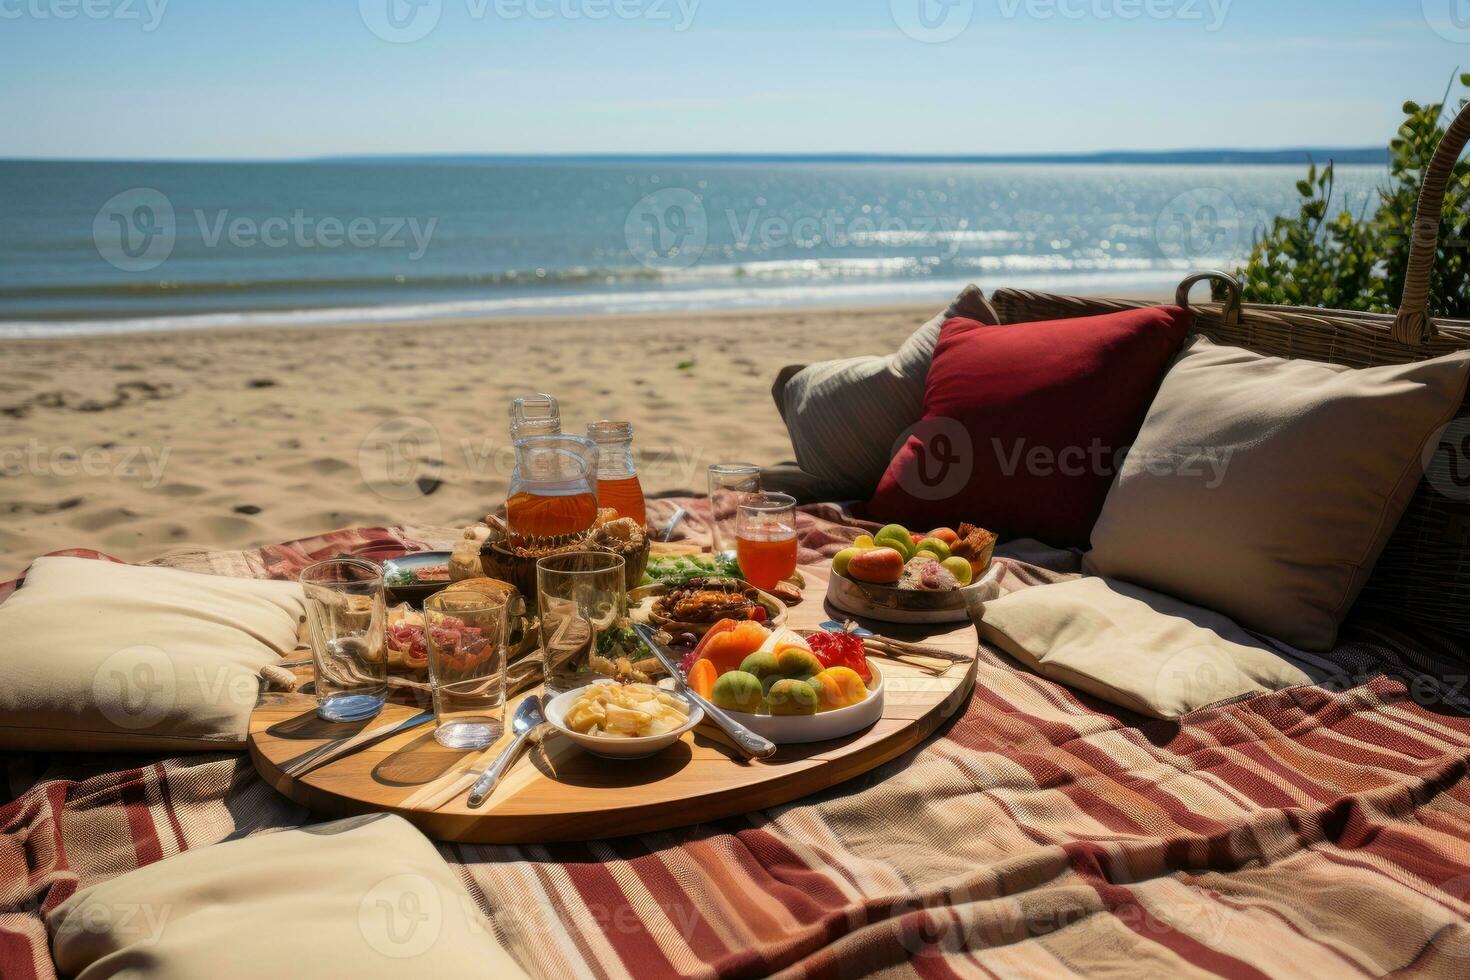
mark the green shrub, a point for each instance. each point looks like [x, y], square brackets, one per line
[1357, 262]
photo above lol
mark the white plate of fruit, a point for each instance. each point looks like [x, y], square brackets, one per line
[898, 576]
[789, 687]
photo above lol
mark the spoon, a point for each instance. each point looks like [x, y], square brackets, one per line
[528, 719]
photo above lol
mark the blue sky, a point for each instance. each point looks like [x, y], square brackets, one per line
[294, 78]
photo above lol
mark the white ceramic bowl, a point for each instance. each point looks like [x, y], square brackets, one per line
[798, 729]
[617, 748]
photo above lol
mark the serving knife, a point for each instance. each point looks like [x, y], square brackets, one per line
[753, 745]
[341, 747]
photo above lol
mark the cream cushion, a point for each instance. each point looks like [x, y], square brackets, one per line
[99, 656]
[365, 897]
[845, 416]
[1138, 649]
[1266, 488]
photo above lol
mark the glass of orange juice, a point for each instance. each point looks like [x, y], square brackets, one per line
[765, 538]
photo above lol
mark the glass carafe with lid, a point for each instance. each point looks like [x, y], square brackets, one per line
[618, 486]
[534, 414]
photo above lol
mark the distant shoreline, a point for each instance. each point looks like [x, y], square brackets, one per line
[1291, 156]
[611, 307]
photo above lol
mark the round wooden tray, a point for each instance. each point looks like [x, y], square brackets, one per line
[556, 791]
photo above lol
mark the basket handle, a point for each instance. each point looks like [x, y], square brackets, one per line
[1231, 311]
[1414, 325]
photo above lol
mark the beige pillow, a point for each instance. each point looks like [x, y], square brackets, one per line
[1149, 653]
[844, 416]
[1267, 488]
[102, 657]
[366, 897]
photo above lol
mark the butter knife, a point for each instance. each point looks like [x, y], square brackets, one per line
[341, 747]
[753, 745]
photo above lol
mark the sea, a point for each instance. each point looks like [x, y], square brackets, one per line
[104, 247]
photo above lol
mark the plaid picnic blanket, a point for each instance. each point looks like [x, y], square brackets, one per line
[1316, 831]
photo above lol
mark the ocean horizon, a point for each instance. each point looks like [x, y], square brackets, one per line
[112, 247]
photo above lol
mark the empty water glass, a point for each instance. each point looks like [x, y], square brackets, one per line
[347, 619]
[466, 637]
[581, 597]
[729, 485]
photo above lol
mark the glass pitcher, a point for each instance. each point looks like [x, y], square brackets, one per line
[553, 494]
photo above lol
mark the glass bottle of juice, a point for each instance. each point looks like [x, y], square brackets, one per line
[617, 476]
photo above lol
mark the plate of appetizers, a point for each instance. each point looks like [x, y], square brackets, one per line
[688, 609]
[791, 687]
[898, 576]
[413, 578]
[407, 646]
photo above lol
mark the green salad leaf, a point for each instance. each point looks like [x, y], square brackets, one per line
[677, 569]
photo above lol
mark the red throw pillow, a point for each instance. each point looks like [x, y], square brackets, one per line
[1024, 424]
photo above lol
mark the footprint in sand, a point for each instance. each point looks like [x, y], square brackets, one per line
[327, 466]
[45, 507]
[180, 490]
[224, 528]
[102, 520]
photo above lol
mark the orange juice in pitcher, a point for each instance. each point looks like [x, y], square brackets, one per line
[541, 515]
[551, 492]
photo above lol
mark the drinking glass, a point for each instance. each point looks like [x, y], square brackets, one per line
[466, 636]
[347, 619]
[582, 596]
[729, 483]
[765, 538]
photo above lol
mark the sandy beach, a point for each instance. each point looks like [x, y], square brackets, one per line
[141, 445]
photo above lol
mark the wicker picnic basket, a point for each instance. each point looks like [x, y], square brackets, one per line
[1423, 577]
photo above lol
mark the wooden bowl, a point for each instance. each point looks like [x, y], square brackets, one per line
[641, 602]
[889, 604]
[502, 562]
[634, 562]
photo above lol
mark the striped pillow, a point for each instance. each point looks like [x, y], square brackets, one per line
[846, 416]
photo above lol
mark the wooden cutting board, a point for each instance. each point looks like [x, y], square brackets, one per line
[558, 792]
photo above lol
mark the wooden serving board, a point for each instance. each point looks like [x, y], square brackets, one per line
[558, 792]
